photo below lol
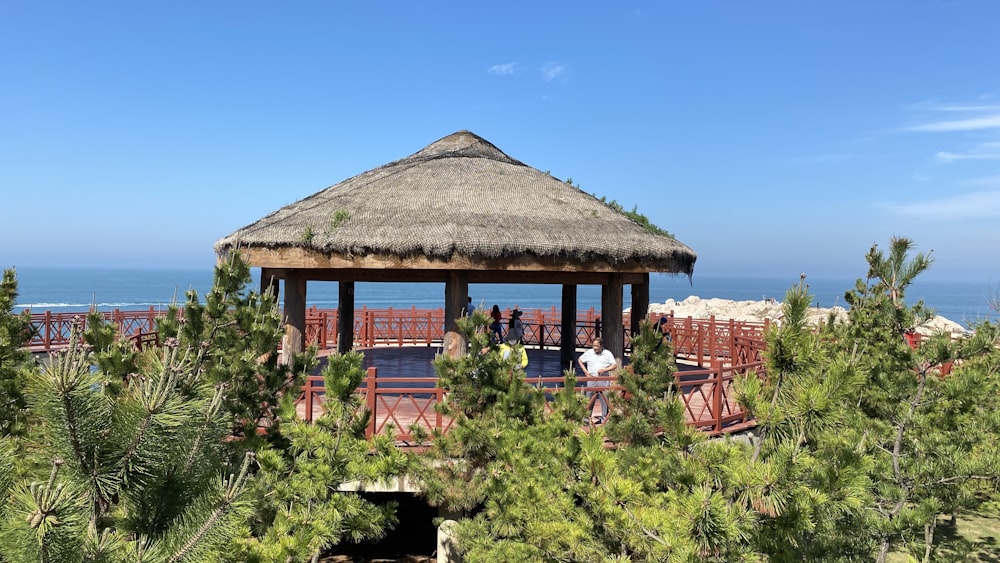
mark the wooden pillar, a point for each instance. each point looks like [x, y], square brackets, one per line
[456, 298]
[268, 281]
[567, 344]
[613, 331]
[345, 316]
[295, 315]
[640, 303]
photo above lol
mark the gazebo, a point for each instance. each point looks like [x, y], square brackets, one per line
[459, 211]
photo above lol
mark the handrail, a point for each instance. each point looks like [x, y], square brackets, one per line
[721, 349]
[372, 327]
[707, 392]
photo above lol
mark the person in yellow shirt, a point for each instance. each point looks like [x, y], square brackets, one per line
[511, 348]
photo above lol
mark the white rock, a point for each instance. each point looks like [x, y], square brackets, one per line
[759, 311]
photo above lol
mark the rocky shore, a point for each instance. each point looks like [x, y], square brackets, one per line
[759, 311]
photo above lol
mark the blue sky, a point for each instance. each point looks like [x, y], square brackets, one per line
[772, 137]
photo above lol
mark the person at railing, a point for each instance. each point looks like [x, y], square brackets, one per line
[515, 327]
[597, 362]
[470, 308]
[662, 327]
[496, 326]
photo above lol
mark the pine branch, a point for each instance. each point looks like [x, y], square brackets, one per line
[214, 407]
[232, 488]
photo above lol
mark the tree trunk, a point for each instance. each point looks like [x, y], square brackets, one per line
[929, 538]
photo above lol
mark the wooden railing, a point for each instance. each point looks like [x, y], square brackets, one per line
[372, 327]
[720, 350]
[727, 351]
[51, 331]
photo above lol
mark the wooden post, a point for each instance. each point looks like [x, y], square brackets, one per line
[613, 330]
[364, 325]
[322, 329]
[47, 333]
[567, 342]
[429, 336]
[439, 398]
[640, 303]
[456, 297]
[713, 335]
[309, 396]
[345, 316]
[295, 316]
[717, 396]
[370, 400]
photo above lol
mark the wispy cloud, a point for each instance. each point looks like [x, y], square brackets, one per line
[984, 181]
[504, 69]
[983, 104]
[818, 158]
[967, 107]
[964, 206]
[971, 124]
[552, 71]
[982, 151]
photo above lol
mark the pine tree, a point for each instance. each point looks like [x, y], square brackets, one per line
[859, 443]
[301, 512]
[931, 437]
[133, 474]
[806, 474]
[15, 360]
[536, 484]
[133, 455]
[233, 338]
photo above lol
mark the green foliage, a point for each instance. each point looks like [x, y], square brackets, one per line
[805, 474]
[130, 469]
[636, 217]
[300, 510]
[142, 456]
[633, 215]
[339, 217]
[15, 361]
[233, 340]
[928, 438]
[537, 485]
[859, 445]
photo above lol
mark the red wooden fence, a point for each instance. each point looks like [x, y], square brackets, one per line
[723, 350]
[372, 327]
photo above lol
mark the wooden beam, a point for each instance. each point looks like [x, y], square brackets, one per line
[302, 258]
[640, 304]
[345, 316]
[295, 316]
[567, 344]
[441, 276]
[613, 332]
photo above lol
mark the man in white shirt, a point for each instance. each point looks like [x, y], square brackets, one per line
[598, 362]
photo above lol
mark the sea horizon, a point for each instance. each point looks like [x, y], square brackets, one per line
[77, 289]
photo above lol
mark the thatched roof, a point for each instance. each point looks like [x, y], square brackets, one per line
[461, 198]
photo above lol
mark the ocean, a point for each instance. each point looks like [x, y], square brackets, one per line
[77, 289]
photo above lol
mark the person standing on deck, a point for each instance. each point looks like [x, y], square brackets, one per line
[470, 308]
[515, 328]
[598, 362]
[496, 326]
